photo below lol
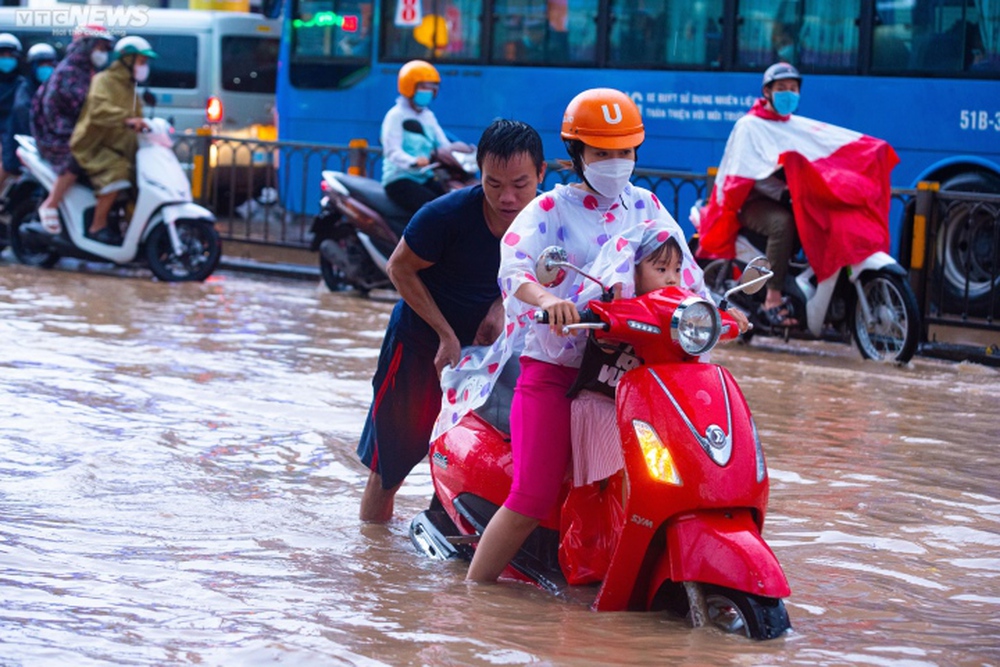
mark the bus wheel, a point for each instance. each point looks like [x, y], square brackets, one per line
[967, 256]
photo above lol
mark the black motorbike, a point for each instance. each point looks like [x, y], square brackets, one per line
[358, 226]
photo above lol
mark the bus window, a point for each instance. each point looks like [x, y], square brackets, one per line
[816, 35]
[666, 32]
[177, 64]
[330, 42]
[438, 30]
[250, 64]
[545, 31]
[946, 36]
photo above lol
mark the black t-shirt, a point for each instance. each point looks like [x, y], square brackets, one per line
[451, 232]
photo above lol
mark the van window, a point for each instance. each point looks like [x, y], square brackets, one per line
[250, 64]
[177, 64]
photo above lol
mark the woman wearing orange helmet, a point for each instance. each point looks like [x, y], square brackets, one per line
[600, 221]
[410, 136]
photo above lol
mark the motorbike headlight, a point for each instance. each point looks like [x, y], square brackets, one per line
[659, 462]
[696, 326]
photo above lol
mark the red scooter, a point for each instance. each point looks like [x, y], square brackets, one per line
[691, 498]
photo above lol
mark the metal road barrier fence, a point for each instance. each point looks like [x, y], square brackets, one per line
[954, 257]
[267, 192]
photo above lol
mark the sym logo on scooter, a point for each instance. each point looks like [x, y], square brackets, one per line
[440, 459]
[715, 436]
[641, 520]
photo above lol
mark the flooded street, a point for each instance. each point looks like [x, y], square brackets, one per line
[178, 484]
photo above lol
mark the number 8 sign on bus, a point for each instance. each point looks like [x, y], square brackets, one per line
[408, 13]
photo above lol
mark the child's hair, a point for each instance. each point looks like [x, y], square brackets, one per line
[664, 252]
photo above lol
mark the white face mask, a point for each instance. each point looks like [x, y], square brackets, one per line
[609, 177]
[99, 58]
[140, 72]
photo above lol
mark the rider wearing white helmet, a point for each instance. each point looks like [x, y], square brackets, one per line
[42, 59]
[10, 53]
[766, 208]
[10, 81]
[135, 53]
[104, 142]
[780, 87]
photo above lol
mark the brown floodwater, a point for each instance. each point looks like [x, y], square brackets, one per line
[178, 484]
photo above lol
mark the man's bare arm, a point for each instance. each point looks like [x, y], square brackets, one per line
[403, 267]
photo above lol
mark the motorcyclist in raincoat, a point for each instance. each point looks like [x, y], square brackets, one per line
[42, 59]
[104, 142]
[10, 81]
[55, 109]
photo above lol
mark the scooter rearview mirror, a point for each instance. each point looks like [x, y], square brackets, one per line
[755, 275]
[550, 270]
[549, 266]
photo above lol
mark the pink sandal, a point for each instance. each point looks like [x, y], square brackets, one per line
[49, 218]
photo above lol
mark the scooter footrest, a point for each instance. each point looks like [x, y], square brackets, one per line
[538, 558]
[432, 532]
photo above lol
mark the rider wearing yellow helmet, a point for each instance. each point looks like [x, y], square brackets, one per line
[410, 137]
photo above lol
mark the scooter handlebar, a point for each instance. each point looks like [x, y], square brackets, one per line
[587, 316]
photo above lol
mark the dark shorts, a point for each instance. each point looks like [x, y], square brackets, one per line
[407, 400]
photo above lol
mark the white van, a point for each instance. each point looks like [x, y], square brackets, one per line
[214, 68]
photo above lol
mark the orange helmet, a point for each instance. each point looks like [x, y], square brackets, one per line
[414, 72]
[603, 118]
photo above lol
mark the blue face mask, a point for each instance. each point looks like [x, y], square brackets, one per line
[43, 72]
[423, 98]
[785, 102]
[8, 65]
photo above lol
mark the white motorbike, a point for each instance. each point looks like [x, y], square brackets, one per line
[161, 227]
[871, 301]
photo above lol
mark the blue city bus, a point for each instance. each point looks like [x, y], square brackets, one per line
[921, 74]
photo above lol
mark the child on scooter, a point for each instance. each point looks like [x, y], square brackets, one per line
[594, 424]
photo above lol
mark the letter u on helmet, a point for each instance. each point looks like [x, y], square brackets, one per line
[414, 72]
[603, 118]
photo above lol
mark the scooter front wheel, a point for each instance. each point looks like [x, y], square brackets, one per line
[742, 613]
[891, 333]
[201, 250]
[333, 277]
[28, 245]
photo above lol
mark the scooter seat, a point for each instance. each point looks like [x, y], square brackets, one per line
[496, 409]
[371, 193]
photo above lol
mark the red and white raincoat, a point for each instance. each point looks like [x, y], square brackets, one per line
[838, 180]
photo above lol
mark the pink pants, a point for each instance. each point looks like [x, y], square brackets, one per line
[539, 437]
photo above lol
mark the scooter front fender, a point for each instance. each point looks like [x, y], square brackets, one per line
[169, 214]
[724, 548]
[877, 261]
[185, 211]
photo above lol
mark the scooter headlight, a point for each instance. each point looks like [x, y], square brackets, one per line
[658, 459]
[696, 326]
